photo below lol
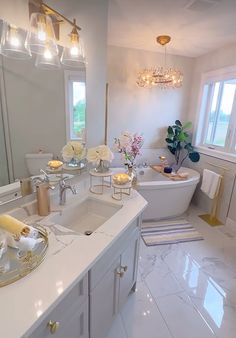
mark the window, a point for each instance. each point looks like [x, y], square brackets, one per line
[75, 87]
[217, 121]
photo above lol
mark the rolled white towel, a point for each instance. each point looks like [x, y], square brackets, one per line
[3, 244]
[211, 183]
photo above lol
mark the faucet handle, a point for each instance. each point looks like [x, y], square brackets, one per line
[74, 190]
[46, 176]
[62, 183]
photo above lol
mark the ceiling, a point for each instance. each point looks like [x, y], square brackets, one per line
[196, 26]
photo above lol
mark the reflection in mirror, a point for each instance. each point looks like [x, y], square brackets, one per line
[41, 110]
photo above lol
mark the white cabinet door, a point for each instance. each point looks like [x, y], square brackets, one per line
[104, 302]
[128, 268]
[76, 325]
[69, 319]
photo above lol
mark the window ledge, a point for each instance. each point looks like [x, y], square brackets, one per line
[216, 153]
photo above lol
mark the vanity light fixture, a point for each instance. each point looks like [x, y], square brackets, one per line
[163, 77]
[13, 42]
[74, 55]
[41, 34]
[41, 39]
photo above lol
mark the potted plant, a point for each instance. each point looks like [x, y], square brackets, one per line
[179, 144]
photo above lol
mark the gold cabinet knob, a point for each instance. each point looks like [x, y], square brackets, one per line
[124, 268]
[120, 273]
[53, 326]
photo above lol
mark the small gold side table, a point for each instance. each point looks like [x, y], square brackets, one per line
[99, 188]
[121, 189]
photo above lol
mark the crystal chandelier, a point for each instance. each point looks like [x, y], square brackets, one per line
[163, 77]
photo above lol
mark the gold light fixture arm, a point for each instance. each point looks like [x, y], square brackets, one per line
[42, 6]
[49, 10]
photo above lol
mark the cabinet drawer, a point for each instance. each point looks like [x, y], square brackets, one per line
[64, 311]
[102, 266]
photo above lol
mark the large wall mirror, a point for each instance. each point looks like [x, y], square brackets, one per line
[40, 111]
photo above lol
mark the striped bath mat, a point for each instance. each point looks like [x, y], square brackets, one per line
[169, 232]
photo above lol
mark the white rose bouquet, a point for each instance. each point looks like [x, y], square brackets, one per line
[100, 153]
[73, 150]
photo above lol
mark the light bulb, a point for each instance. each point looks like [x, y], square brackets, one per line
[41, 29]
[47, 54]
[42, 35]
[13, 38]
[74, 51]
[14, 41]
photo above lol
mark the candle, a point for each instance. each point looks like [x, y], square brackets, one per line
[121, 178]
[55, 164]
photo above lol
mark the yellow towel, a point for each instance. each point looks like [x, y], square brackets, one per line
[12, 225]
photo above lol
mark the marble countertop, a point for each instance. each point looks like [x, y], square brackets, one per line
[25, 303]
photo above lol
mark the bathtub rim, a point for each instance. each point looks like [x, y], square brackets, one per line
[170, 184]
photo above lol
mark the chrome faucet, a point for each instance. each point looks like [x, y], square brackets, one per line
[44, 179]
[63, 186]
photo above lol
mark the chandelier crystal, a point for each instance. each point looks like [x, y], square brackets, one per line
[163, 77]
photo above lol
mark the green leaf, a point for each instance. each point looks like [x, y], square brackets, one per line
[194, 156]
[178, 123]
[181, 136]
[170, 130]
[188, 146]
[187, 125]
[179, 147]
[168, 140]
[172, 150]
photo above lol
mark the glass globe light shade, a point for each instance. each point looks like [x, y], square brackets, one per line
[47, 60]
[74, 56]
[12, 43]
[41, 34]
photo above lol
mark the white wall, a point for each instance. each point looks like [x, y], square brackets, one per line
[148, 111]
[221, 58]
[40, 121]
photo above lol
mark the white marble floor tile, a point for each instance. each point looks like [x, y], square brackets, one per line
[162, 282]
[185, 290]
[117, 330]
[182, 318]
[141, 316]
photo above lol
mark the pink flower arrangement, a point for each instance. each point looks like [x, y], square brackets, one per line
[129, 146]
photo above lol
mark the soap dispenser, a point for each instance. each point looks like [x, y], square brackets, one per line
[43, 199]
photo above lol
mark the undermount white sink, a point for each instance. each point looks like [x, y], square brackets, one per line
[86, 216]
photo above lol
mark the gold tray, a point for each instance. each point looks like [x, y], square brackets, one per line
[14, 267]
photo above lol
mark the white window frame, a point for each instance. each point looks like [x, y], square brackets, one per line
[70, 76]
[228, 152]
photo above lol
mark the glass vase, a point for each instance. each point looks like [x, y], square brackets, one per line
[101, 167]
[131, 171]
[75, 164]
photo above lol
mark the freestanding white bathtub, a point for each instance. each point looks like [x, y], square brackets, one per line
[166, 198]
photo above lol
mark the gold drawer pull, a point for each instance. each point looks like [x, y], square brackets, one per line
[53, 326]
